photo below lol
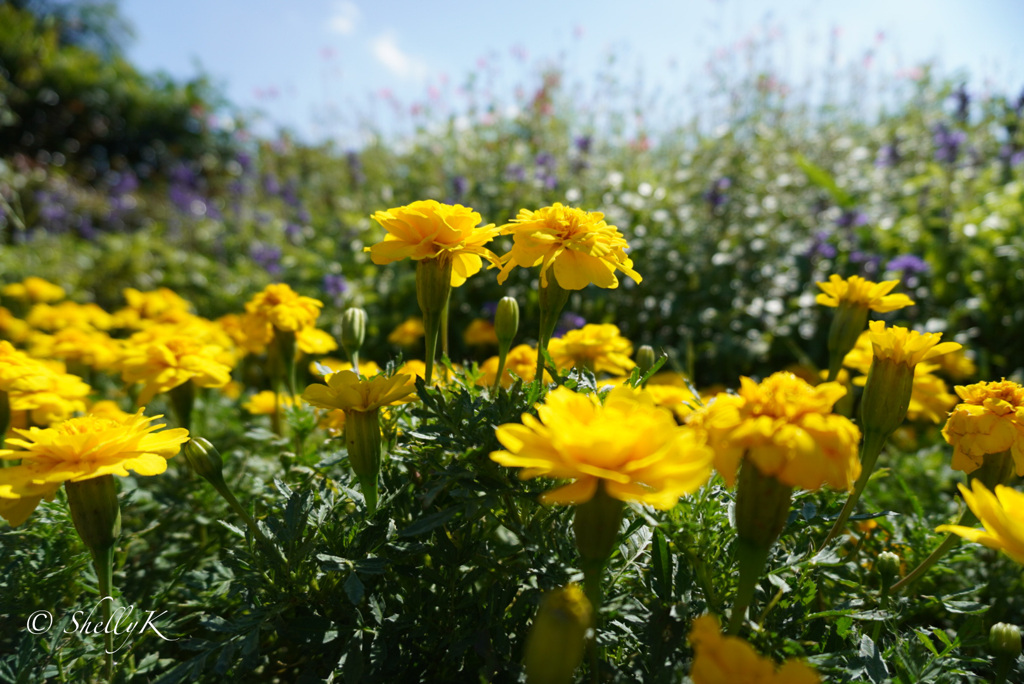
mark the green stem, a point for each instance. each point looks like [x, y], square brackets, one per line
[996, 469]
[752, 559]
[103, 562]
[226, 494]
[870, 448]
[182, 400]
[552, 300]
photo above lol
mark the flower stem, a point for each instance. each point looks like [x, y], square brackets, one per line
[870, 448]
[752, 559]
[996, 469]
[103, 562]
[552, 300]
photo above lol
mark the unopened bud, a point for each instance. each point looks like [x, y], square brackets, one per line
[645, 359]
[1004, 639]
[353, 330]
[888, 565]
[205, 459]
[506, 321]
[95, 511]
[557, 639]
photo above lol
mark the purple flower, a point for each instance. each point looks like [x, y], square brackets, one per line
[909, 264]
[267, 256]
[569, 321]
[459, 187]
[888, 155]
[244, 160]
[270, 184]
[851, 218]
[515, 173]
[715, 196]
[821, 247]
[335, 286]
[869, 262]
[947, 142]
[293, 232]
[963, 102]
[290, 193]
[355, 168]
[583, 144]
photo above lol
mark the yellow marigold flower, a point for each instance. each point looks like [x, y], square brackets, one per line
[1001, 514]
[719, 659]
[93, 348]
[109, 409]
[599, 348]
[679, 400]
[334, 422]
[908, 347]
[521, 360]
[348, 391]
[43, 389]
[264, 403]
[957, 365]
[34, 289]
[408, 333]
[578, 244]
[480, 332]
[162, 305]
[366, 368]
[314, 341]
[12, 327]
[79, 449]
[69, 315]
[989, 420]
[630, 445]
[428, 229]
[164, 364]
[787, 429]
[277, 307]
[862, 293]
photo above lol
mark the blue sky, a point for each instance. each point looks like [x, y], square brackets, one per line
[317, 66]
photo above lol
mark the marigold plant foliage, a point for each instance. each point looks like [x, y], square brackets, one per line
[627, 443]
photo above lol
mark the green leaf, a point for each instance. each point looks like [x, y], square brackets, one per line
[354, 589]
[661, 567]
[871, 657]
[429, 522]
[824, 180]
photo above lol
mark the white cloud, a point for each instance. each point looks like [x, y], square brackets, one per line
[386, 51]
[344, 17]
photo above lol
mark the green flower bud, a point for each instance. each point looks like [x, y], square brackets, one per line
[95, 511]
[886, 398]
[888, 565]
[1004, 639]
[597, 526]
[353, 331]
[762, 506]
[849, 322]
[205, 459]
[558, 637]
[645, 359]
[363, 439]
[506, 321]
